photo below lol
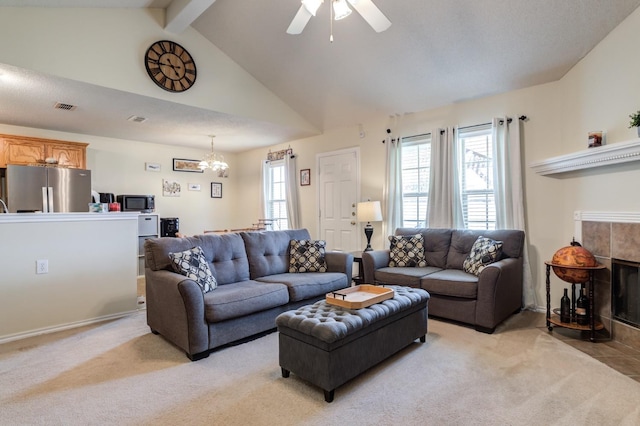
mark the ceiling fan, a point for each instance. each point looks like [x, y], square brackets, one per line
[365, 8]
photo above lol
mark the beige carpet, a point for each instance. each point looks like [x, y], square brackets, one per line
[119, 373]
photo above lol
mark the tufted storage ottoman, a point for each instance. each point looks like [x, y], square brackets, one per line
[328, 345]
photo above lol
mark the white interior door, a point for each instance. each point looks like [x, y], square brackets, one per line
[338, 179]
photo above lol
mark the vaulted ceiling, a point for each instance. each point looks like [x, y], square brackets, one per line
[435, 53]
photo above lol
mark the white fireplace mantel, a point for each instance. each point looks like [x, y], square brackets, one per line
[616, 153]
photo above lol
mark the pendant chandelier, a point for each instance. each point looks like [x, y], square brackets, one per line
[213, 161]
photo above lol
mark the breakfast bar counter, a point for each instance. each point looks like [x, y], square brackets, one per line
[61, 270]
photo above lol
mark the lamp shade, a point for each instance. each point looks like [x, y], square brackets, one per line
[369, 211]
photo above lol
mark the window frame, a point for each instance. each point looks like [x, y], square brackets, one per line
[421, 197]
[280, 222]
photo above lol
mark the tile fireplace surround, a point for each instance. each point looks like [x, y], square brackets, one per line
[610, 235]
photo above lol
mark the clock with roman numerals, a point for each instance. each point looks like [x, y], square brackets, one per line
[170, 66]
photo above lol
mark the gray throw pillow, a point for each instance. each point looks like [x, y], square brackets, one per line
[483, 252]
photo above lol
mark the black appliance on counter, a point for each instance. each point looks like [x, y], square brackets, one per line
[107, 197]
[137, 203]
[169, 226]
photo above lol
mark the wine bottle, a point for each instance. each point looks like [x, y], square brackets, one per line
[565, 308]
[582, 308]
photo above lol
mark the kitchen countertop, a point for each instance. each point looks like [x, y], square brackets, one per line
[65, 217]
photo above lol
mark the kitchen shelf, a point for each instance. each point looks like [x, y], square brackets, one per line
[606, 155]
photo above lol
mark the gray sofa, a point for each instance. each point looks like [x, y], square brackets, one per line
[254, 287]
[483, 301]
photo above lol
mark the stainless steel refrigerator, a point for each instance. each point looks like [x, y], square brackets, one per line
[47, 189]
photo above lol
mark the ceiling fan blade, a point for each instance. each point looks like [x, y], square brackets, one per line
[299, 21]
[371, 14]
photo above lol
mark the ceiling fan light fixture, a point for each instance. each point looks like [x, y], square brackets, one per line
[312, 5]
[340, 9]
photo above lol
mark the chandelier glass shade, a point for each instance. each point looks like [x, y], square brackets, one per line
[213, 161]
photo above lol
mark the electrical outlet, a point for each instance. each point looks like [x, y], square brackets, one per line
[42, 266]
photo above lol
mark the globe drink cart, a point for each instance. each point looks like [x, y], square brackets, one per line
[572, 274]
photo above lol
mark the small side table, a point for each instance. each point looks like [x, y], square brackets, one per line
[357, 260]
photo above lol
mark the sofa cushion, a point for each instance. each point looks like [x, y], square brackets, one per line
[225, 253]
[192, 264]
[307, 256]
[436, 243]
[243, 298]
[308, 284]
[406, 251]
[483, 252]
[462, 240]
[268, 251]
[451, 282]
[405, 276]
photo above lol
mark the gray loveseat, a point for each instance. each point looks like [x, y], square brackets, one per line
[254, 287]
[483, 301]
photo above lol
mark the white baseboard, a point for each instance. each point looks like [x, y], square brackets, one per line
[47, 330]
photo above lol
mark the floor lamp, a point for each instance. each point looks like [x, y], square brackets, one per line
[369, 211]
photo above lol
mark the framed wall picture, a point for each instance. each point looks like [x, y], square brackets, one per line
[216, 190]
[184, 165]
[305, 177]
[152, 167]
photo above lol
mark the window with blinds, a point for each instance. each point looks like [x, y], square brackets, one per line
[276, 195]
[416, 166]
[476, 177]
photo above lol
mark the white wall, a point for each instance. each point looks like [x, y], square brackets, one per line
[105, 47]
[92, 270]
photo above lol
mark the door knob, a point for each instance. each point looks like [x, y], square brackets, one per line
[353, 223]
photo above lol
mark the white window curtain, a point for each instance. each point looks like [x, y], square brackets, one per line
[263, 192]
[509, 196]
[445, 205]
[393, 187]
[291, 190]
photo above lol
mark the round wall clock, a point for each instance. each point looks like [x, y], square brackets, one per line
[170, 66]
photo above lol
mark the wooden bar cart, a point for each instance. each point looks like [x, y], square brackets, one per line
[553, 317]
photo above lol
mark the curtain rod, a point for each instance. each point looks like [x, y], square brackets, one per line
[509, 120]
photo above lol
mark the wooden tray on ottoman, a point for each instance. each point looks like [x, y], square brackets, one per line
[359, 296]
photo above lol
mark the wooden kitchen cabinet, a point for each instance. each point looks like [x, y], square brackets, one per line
[26, 150]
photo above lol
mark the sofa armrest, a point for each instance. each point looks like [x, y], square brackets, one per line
[338, 261]
[499, 292]
[372, 260]
[175, 309]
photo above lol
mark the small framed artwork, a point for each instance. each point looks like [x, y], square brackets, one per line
[305, 177]
[194, 187]
[184, 165]
[216, 190]
[152, 167]
[596, 139]
[170, 188]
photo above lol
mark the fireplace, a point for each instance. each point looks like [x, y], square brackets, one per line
[625, 291]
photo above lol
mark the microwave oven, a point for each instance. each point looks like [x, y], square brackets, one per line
[137, 203]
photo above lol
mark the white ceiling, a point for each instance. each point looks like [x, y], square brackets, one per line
[435, 53]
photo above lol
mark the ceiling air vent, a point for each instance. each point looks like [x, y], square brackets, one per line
[66, 107]
[137, 119]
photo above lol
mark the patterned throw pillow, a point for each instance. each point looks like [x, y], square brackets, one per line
[484, 252]
[307, 256]
[193, 265]
[407, 251]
